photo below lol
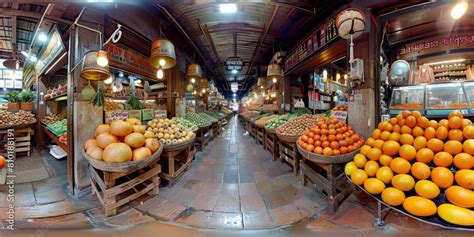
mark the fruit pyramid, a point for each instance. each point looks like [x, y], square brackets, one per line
[410, 160]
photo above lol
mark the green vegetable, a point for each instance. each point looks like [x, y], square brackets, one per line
[197, 119]
[26, 96]
[208, 117]
[134, 102]
[13, 97]
[185, 124]
[98, 99]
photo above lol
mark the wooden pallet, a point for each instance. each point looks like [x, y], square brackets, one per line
[260, 138]
[327, 179]
[174, 163]
[23, 144]
[115, 189]
[271, 144]
[289, 154]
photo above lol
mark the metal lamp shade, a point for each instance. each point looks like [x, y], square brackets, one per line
[162, 50]
[194, 70]
[203, 84]
[350, 22]
[91, 70]
[274, 71]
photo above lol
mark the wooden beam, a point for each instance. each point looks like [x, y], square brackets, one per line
[14, 12]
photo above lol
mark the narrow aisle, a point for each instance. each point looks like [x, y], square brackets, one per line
[234, 183]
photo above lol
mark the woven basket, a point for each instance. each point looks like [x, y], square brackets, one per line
[287, 138]
[179, 146]
[338, 159]
[269, 130]
[129, 166]
[5, 126]
[26, 125]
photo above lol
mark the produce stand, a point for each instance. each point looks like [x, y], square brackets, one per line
[260, 135]
[202, 136]
[215, 127]
[289, 153]
[327, 175]
[116, 184]
[176, 159]
[55, 139]
[22, 138]
[271, 143]
[252, 129]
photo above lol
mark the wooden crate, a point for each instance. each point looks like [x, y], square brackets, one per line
[215, 128]
[260, 138]
[328, 179]
[115, 189]
[202, 137]
[271, 144]
[175, 162]
[253, 129]
[23, 144]
[289, 153]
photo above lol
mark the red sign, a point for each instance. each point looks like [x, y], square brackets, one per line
[130, 60]
[463, 41]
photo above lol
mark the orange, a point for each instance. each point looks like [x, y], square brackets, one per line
[370, 141]
[426, 189]
[456, 134]
[350, 168]
[385, 160]
[394, 136]
[419, 206]
[378, 144]
[397, 128]
[455, 123]
[460, 196]
[453, 147]
[463, 161]
[443, 159]
[399, 116]
[416, 114]
[420, 170]
[400, 166]
[376, 133]
[364, 149]
[468, 146]
[327, 151]
[381, 125]
[434, 124]
[390, 148]
[420, 142]
[358, 177]
[417, 131]
[466, 122]
[385, 135]
[410, 121]
[374, 153]
[360, 160]
[430, 133]
[423, 122]
[443, 177]
[393, 121]
[468, 132]
[405, 129]
[406, 113]
[374, 186]
[424, 155]
[435, 145]
[403, 182]
[442, 132]
[465, 179]
[384, 174]
[406, 139]
[393, 196]
[456, 113]
[388, 127]
[371, 168]
[443, 123]
[407, 152]
[401, 122]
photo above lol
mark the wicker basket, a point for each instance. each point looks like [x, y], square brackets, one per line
[179, 146]
[269, 130]
[123, 166]
[337, 159]
[26, 125]
[287, 138]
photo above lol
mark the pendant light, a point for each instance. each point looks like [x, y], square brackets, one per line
[262, 81]
[350, 24]
[193, 72]
[102, 58]
[91, 69]
[163, 55]
[274, 72]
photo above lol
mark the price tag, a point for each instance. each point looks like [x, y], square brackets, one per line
[147, 114]
[463, 111]
[115, 115]
[339, 115]
[160, 113]
[135, 114]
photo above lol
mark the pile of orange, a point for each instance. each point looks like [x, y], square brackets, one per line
[410, 152]
[329, 136]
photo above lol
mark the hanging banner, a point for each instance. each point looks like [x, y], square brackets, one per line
[54, 48]
[130, 60]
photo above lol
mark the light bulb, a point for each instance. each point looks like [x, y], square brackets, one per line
[120, 74]
[102, 59]
[162, 62]
[193, 80]
[114, 88]
[458, 10]
[160, 74]
[33, 59]
[325, 73]
[274, 80]
[261, 87]
[42, 37]
[17, 65]
[109, 81]
[203, 91]
[338, 76]
[346, 76]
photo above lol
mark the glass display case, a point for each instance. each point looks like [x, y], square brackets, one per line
[407, 98]
[443, 98]
[469, 90]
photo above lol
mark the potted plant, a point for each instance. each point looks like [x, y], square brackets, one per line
[13, 101]
[26, 99]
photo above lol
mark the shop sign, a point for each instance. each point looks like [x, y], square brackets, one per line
[458, 41]
[115, 115]
[135, 114]
[147, 114]
[339, 115]
[160, 113]
[130, 60]
[29, 74]
[53, 49]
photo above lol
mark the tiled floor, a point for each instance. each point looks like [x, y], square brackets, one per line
[232, 185]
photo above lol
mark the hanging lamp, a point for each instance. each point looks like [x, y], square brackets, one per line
[350, 24]
[204, 84]
[162, 54]
[262, 82]
[193, 72]
[274, 72]
[91, 70]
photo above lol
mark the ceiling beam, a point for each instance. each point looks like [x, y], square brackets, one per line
[208, 37]
[15, 12]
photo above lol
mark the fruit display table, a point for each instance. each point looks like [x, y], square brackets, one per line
[260, 135]
[289, 153]
[253, 129]
[175, 160]
[202, 136]
[271, 143]
[215, 128]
